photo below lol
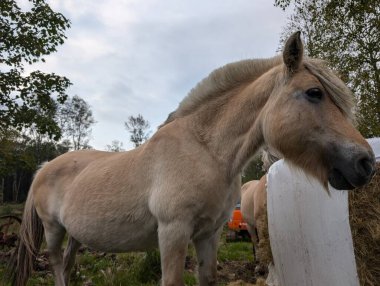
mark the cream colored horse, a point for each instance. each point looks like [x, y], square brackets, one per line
[253, 209]
[183, 183]
[252, 201]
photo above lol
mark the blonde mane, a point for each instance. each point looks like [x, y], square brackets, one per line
[234, 74]
[221, 80]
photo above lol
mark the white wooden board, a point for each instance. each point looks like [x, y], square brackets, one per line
[375, 144]
[309, 231]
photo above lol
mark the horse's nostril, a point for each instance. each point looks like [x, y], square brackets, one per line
[365, 166]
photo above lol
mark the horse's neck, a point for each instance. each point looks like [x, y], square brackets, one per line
[230, 125]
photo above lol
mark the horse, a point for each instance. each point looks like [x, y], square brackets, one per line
[253, 210]
[182, 184]
[247, 208]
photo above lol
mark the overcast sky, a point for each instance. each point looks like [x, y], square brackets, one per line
[143, 56]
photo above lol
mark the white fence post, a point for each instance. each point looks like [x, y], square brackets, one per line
[375, 144]
[309, 230]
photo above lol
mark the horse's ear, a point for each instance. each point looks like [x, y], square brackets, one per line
[293, 52]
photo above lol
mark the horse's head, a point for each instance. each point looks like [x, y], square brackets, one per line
[308, 120]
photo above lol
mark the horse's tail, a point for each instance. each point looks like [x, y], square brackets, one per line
[29, 243]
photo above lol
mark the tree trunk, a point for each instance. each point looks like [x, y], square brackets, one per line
[2, 191]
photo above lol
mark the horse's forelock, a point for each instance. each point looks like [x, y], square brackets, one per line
[340, 94]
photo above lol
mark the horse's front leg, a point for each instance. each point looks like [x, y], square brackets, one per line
[207, 258]
[173, 239]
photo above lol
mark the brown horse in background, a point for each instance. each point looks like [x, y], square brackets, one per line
[183, 183]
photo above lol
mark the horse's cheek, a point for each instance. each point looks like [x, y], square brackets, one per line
[277, 127]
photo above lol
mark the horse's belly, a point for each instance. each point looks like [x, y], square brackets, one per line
[115, 236]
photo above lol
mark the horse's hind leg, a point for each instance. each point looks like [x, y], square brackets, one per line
[255, 240]
[207, 258]
[54, 234]
[69, 257]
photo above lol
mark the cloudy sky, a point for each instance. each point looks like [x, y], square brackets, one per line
[126, 57]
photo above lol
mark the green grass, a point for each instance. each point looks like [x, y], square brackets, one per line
[190, 279]
[235, 251]
[121, 269]
[11, 209]
[134, 269]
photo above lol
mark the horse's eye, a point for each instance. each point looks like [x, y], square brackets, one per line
[314, 94]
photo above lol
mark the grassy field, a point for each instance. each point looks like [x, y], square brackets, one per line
[6, 209]
[138, 268]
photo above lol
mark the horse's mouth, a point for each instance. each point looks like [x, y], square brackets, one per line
[339, 181]
[350, 172]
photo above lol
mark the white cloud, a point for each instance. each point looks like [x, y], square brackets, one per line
[129, 57]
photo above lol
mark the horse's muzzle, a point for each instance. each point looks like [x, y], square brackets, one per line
[354, 171]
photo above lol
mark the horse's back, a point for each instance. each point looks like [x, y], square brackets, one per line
[66, 166]
[248, 185]
[55, 177]
[247, 200]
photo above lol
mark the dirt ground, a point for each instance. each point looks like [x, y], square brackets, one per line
[237, 271]
[232, 273]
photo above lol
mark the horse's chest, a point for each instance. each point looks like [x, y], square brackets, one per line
[215, 215]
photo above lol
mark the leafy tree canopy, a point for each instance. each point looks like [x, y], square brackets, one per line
[76, 119]
[27, 36]
[253, 171]
[20, 157]
[115, 146]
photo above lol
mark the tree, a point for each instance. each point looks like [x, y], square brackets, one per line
[253, 171]
[346, 34]
[76, 119]
[27, 36]
[116, 146]
[137, 126]
[20, 157]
